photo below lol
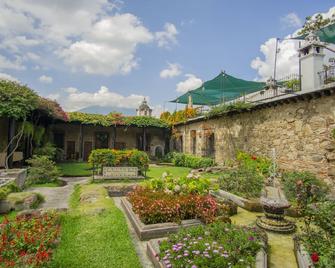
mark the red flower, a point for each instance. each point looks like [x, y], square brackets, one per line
[253, 157]
[314, 257]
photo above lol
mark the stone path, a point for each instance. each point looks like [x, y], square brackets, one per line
[58, 197]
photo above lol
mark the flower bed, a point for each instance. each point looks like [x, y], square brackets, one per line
[159, 207]
[28, 241]
[113, 158]
[214, 245]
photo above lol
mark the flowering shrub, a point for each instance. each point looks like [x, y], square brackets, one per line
[187, 160]
[214, 245]
[111, 158]
[28, 241]
[158, 207]
[184, 185]
[318, 233]
[303, 188]
[243, 181]
[259, 163]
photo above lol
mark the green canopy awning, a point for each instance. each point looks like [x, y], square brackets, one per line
[326, 34]
[223, 87]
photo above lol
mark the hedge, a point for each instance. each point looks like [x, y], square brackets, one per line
[188, 160]
[116, 158]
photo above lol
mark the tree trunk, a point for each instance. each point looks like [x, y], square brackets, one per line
[11, 135]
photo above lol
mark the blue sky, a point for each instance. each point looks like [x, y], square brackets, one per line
[87, 53]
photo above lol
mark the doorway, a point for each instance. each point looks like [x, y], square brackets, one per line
[87, 149]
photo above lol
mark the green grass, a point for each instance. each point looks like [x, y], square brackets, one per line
[94, 240]
[156, 172]
[75, 169]
[11, 215]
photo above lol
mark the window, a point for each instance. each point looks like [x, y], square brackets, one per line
[101, 140]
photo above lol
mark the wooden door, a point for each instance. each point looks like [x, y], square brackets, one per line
[70, 150]
[87, 149]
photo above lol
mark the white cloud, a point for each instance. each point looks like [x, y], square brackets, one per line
[291, 20]
[192, 82]
[173, 69]
[45, 79]
[167, 37]
[104, 97]
[4, 76]
[287, 58]
[71, 90]
[6, 63]
[54, 96]
[109, 48]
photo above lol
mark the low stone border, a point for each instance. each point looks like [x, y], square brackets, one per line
[119, 190]
[149, 231]
[250, 205]
[19, 175]
[302, 256]
[153, 252]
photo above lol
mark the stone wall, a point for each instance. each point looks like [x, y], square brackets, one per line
[299, 130]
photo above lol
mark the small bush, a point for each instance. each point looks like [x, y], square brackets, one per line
[215, 245]
[245, 182]
[42, 170]
[158, 207]
[261, 164]
[191, 161]
[49, 150]
[183, 185]
[7, 189]
[112, 158]
[303, 188]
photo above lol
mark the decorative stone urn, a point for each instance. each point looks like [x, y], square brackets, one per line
[274, 203]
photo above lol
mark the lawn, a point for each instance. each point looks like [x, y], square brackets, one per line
[94, 233]
[157, 171]
[75, 169]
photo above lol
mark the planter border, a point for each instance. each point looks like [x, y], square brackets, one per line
[302, 256]
[149, 231]
[153, 251]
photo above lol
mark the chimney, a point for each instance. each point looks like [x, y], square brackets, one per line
[311, 60]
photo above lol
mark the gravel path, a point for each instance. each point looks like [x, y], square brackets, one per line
[58, 197]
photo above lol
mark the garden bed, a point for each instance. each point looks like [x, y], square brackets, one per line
[155, 255]
[149, 231]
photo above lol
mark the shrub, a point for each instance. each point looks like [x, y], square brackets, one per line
[261, 164]
[158, 207]
[244, 181]
[303, 188]
[112, 158]
[7, 189]
[183, 185]
[191, 161]
[215, 245]
[42, 170]
[318, 234]
[49, 150]
[28, 241]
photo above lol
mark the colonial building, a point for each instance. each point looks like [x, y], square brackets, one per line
[144, 109]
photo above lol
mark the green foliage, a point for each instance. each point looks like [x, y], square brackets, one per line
[243, 181]
[75, 169]
[191, 161]
[42, 170]
[293, 84]
[333, 133]
[226, 108]
[315, 23]
[215, 245]
[112, 158]
[303, 188]
[182, 185]
[7, 189]
[180, 116]
[318, 233]
[259, 163]
[116, 119]
[16, 101]
[49, 150]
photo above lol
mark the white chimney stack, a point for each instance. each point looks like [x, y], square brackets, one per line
[311, 59]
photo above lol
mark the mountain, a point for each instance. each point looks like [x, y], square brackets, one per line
[107, 110]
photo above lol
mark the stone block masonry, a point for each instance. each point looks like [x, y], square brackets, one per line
[299, 128]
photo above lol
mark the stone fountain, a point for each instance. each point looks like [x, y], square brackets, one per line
[274, 204]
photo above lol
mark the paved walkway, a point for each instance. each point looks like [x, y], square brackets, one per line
[58, 197]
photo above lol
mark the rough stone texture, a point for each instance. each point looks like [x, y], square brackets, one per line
[19, 175]
[18, 201]
[299, 131]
